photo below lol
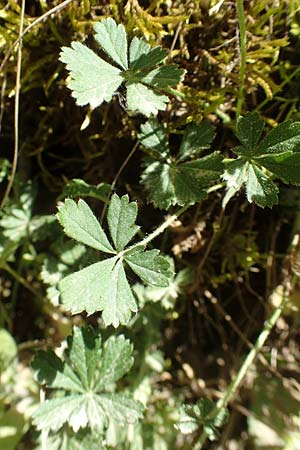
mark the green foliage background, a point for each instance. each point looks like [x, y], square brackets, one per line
[190, 339]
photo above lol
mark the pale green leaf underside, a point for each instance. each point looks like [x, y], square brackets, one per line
[121, 219]
[92, 79]
[113, 40]
[80, 223]
[145, 100]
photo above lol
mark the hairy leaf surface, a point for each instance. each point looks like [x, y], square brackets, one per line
[95, 404]
[103, 286]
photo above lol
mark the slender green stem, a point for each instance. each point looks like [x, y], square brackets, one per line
[243, 53]
[229, 394]
[158, 230]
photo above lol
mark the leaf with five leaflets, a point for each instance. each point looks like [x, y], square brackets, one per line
[172, 181]
[91, 400]
[93, 80]
[278, 154]
[103, 286]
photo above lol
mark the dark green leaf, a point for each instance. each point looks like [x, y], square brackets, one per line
[195, 139]
[142, 55]
[249, 130]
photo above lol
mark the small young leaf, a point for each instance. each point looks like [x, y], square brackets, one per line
[80, 223]
[121, 219]
[92, 79]
[249, 130]
[113, 40]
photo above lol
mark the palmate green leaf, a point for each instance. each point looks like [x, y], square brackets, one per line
[95, 404]
[93, 80]
[172, 181]
[103, 286]
[277, 155]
